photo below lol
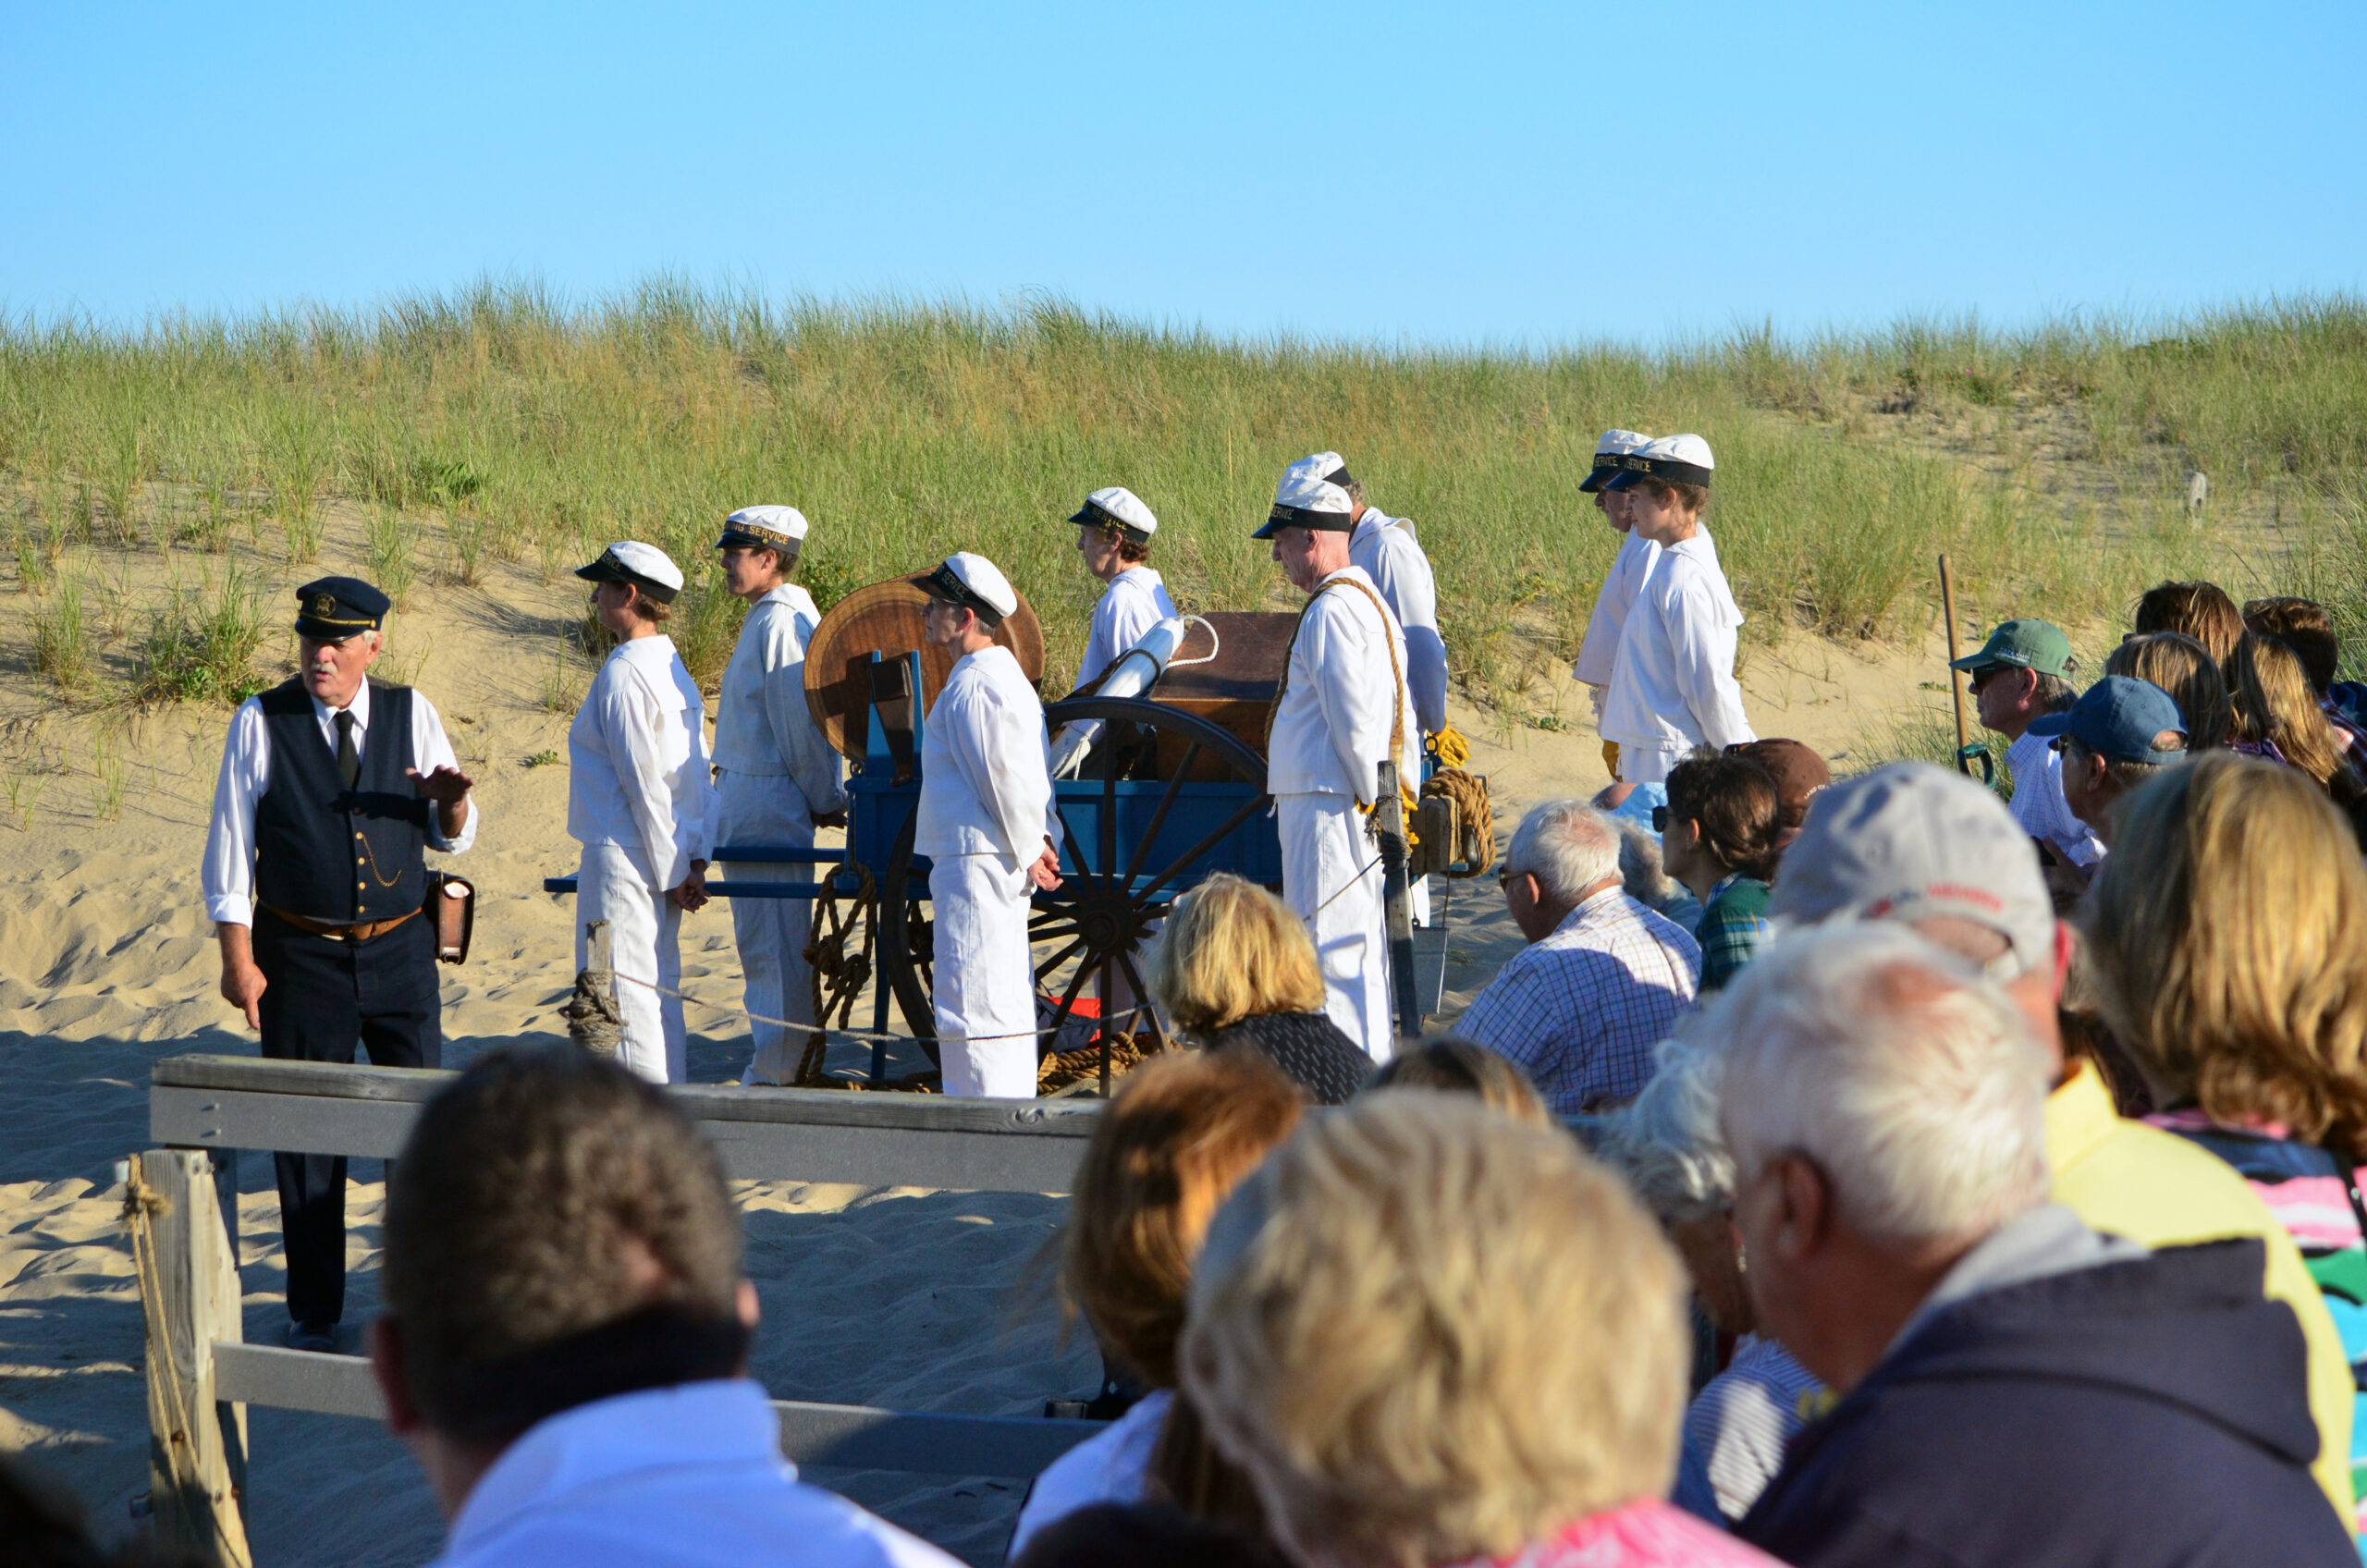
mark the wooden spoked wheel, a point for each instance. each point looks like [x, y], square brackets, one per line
[1163, 790]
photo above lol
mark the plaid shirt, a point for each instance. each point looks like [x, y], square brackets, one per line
[1582, 1010]
[1732, 927]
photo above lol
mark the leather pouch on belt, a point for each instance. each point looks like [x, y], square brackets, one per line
[451, 910]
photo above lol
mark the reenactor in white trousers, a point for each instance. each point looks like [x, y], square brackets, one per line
[775, 778]
[1599, 653]
[987, 825]
[1343, 709]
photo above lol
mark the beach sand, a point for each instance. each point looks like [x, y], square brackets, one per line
[898, 1297]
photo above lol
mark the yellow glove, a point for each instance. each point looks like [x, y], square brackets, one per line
[1448, 746]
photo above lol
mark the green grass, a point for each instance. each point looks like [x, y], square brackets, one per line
[501, 424]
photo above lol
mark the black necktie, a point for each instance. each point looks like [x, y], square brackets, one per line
[348, 758]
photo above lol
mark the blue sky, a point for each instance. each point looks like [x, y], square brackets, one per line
[1464, 173]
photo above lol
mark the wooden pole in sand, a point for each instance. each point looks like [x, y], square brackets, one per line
[1956, 676]
[189, 1294]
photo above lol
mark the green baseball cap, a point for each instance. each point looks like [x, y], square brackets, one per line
[2024, 644]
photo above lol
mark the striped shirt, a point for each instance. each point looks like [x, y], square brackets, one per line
[1581, 1011]
[1739, 1425]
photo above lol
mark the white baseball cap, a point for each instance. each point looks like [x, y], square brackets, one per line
[777, 528]
[1681, 459]
[1121, 508]
[1328, 466]
[644, 565]
[974, 583]
[1614, 444]
[1302, 501]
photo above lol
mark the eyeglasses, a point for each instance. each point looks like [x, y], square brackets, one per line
[1660, 819]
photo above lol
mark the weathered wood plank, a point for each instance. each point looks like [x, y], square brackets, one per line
[188, 1290]
[847, 1436]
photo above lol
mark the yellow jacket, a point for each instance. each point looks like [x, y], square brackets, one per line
[2158, 1189]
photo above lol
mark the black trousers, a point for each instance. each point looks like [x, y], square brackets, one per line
[322, 997]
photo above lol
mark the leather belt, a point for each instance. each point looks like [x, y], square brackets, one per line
[361, 932]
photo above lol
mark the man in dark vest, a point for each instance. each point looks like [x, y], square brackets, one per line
[332, 786]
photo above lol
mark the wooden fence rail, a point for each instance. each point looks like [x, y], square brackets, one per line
[183, 1212]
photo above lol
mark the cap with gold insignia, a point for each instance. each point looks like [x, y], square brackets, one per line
[765, 528]
[1121, 508]
[973, 583]
[330, 609]
[1329, 467]
[646, 567]
[1614, 444]
[1302, 501]
[1680, 459]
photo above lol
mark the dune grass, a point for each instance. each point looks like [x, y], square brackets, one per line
[502, 424]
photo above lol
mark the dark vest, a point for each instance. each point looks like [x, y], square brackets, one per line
[327, 852]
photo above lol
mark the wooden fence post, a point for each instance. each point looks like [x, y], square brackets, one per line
[188, 1292]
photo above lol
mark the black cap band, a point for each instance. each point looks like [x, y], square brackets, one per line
[1300, 517]
[1092, 514]
[1340, 477]
[740, 535]
[1667, 469]
[953, 591]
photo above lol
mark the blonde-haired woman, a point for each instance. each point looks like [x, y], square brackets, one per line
[2224, 945]
[1234, 969]
[2278, 717]
[1432, 1335]
[1182, 1131]
[2184, 668]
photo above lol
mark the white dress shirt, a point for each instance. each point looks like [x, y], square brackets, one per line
[688, 1477]
[1386, 550]
[1110, 1466]
[1629, 568]
[2038, 804]
[1673, 687]
[1136, 601]
[986, 765]
[228, 878]
[762, 724]
[637, 757]
[1331, 731]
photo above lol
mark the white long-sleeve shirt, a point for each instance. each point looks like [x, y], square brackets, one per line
[229, 877]
[2038, 804]
[637, 757]
[1673, 687]
[1331, 731]
[1385, 549]
[1136, 601]
[986, 765]
[762, 724]
[687, 1476]
[1629, 570]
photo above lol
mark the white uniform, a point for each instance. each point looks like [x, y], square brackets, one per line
[986, 809]
[228, 880]
[1134, 602]
[640, 802]
[1673, 686]
[1331, 733]
[1598, 656]
[774, 773]
[1384, 547]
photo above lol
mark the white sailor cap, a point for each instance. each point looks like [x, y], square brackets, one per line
[1328, 466]
[1121, 508]
[974, 583]
[1680, 459]
[1614, 444]
[772, 528]
[1304, 502]
[646, 567]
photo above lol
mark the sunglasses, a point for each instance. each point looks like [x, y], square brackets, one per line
[1660, 819]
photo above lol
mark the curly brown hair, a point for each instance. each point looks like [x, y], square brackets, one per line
[1737, 806]
[2201, 611]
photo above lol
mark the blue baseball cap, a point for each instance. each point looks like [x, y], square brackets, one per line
[2119, 718]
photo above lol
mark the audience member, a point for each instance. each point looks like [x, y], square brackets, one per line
[1234, 969]
[2228, 956]
[565, 1340]
[2201, 611]
[1675, 1156]
[1180, 1132]
[2278, 717]
[1457, 1067]
[2023, 673]
[1645, 878]
[1719, 840]
[2180, 666]
[1924, 847]
[2117, 735]
[1602, 978]
[1434, 1336]
[2304, 626]
[1799, 773]
[2016, 1389]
